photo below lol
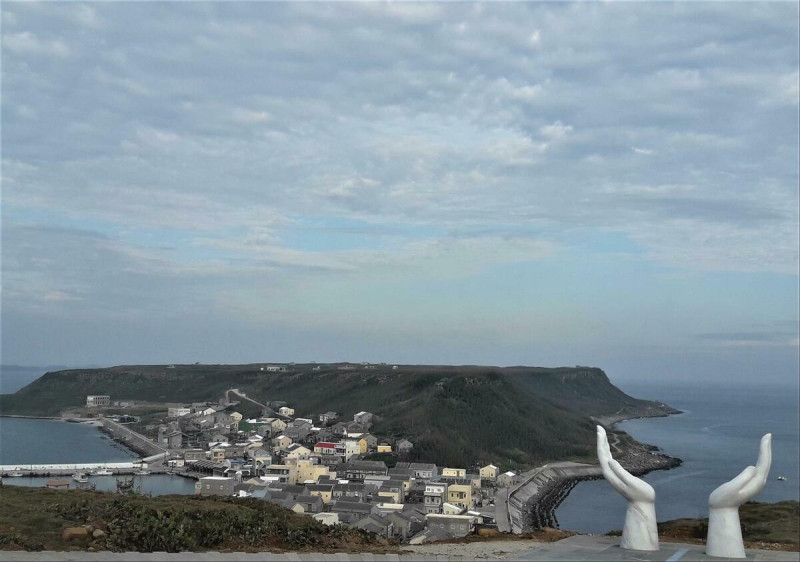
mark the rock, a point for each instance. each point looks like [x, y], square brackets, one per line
[74, 534]
[89, 529]
[99, 524]
[549, 530]
[98, 533]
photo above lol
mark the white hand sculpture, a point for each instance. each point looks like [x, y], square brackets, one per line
[640, 531]
[724, 529]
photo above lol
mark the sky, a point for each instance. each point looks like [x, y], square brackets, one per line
[606, 184]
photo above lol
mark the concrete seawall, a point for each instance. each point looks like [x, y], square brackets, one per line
[532, 502]
[133, 440]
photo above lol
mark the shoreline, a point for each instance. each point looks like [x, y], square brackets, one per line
[539, 510]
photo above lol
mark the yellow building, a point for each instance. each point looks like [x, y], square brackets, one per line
[455, 472]
[489, 472]
[324, 491]
[391, 496]
[384, 448]
[217, 455]
[308, 470]
[460, 495]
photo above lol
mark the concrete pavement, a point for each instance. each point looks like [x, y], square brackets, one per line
[576, 548]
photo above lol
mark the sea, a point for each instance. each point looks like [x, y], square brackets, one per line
[717, 436]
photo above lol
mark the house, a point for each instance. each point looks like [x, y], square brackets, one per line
[324, 491]
[194, 455]
[298, 429]
[349, 511]
[286, 411]
[175, 440]
[297, 451]
[404, 446]
[286, 473]
[421, 470]
[311, 504]
[489, 472]
[218, 454]
[328, 417]
[455, 472]
[276, 424]
[460, 494]
[363, 418]
[372, 441]
[451, 509]
[308, 470]
[435, 496]
[506, 479]
[339, 428]
[178, 412]
[325, 448]
[351, 492]
[358, 470]
[392, 491]
[359, 446]
[384, 448]
[348, 449]
[475, 480]
[281, 442]
[215, 486]
[403, 524]
[274, 368]
[376, 524]
[453, 525]
[260, 455]
[327, 518]
[428, 536]
[98, 401]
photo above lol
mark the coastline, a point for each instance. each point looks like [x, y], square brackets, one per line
[552, 483]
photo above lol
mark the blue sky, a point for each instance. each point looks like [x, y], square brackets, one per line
[613, 184]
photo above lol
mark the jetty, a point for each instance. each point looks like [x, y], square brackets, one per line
[531, 503]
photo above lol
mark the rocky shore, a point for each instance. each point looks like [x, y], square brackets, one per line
[532, 504]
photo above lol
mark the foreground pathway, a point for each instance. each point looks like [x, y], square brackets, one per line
[578, 548]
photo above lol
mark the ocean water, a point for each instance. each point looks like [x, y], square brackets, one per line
[717, 436]
[42, 441]
[154, 484]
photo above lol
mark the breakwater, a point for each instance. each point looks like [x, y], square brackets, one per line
[533, 501]
[131, 439]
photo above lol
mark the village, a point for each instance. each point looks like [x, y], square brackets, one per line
[323, 466]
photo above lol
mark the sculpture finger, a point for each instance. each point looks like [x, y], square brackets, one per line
[623, 474]
[764, 456]
[728, 493]
[759, 479]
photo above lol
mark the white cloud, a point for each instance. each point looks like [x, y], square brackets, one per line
[28, 43]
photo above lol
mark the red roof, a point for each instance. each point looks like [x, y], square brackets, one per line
[324, 445]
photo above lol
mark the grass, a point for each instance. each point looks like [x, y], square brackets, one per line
[34, 518]
[764, 525]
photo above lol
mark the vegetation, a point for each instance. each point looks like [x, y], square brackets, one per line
[764, 525]
[34, 519]
[454, 415]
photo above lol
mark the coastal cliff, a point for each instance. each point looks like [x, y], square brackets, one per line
[515, 417]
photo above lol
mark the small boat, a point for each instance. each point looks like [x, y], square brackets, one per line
[16, 474]
[782, 478]
[80, 477]
[102, 472]
[142, 472]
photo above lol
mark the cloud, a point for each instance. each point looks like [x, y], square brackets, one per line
[201, 139]
[28, 43]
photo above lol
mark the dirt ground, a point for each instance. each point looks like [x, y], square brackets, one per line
[489, 549]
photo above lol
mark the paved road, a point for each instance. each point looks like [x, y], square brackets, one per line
[577, 548]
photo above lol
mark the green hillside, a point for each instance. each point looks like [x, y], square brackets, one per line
[459, 415]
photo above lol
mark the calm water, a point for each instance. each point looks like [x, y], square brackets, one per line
[155, 484]
[36, 441]
[717, 437]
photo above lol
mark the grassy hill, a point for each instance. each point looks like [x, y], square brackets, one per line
[34, 518]
[516, 416]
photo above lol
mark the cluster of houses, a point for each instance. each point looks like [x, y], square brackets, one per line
[320, 467]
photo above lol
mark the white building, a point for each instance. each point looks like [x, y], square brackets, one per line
[93, 401]
[178, 412]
